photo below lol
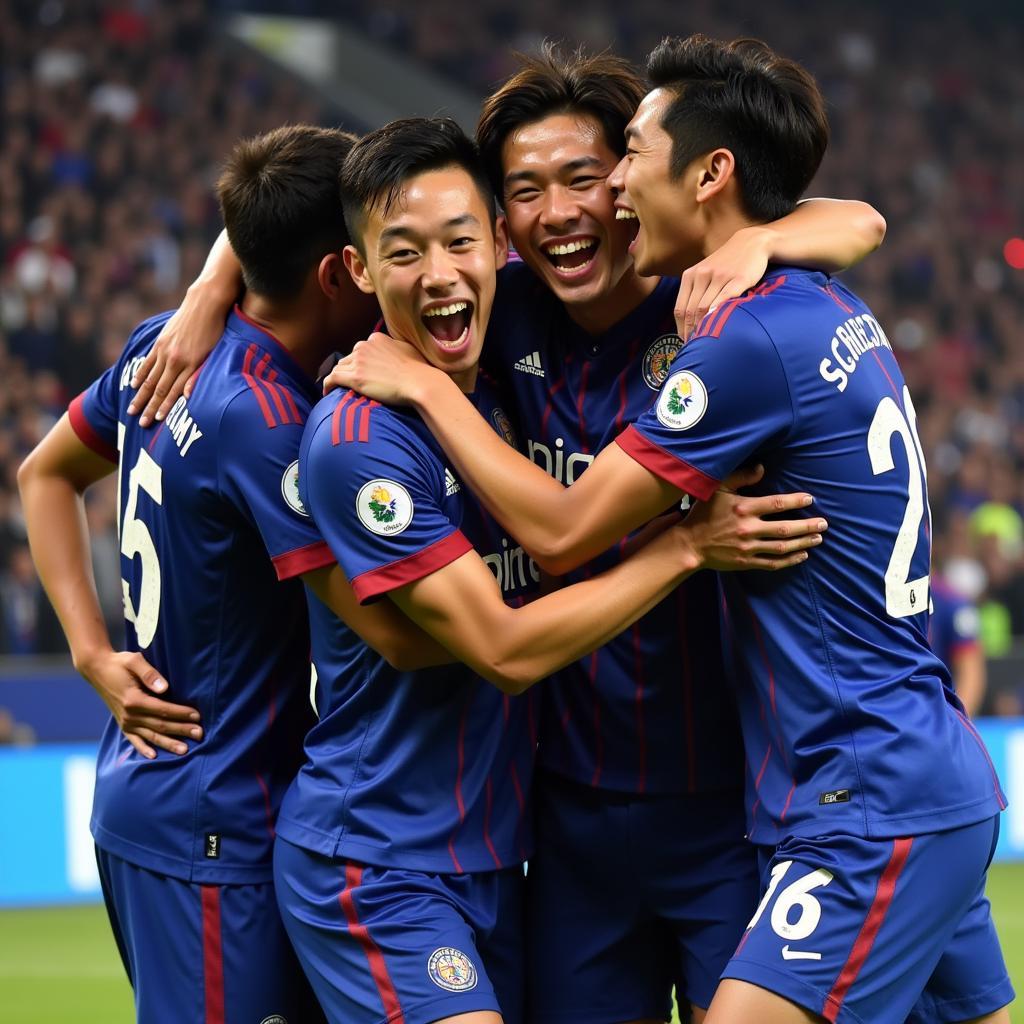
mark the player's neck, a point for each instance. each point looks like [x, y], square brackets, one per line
[604, 312]
[722, 223]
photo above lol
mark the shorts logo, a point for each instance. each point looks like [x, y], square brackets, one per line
[683, 401]
[449, 968]
[290, 489]
[384, 507]
[504, 426]
[658, 358]
[836, 796]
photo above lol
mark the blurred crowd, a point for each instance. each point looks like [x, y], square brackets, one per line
[116, 115]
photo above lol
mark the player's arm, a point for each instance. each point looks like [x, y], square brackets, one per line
[52, 481]
[403, 644]
[560, 527]
[823, 234]
[462, 607]
[189, 336]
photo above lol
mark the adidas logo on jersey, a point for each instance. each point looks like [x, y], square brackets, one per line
[451, 485]
[530, 364]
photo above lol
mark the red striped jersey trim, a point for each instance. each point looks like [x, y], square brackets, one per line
[713, 328]
[378, 967]
[869, 931]
[969, 726]
[301, 560]
[662, 463]
[830, 292]
[413, 567]
[280, 393]
[257, 386]
[339, 410]
[460, 805]
[350, 420]
[86, 434]
[213, 955]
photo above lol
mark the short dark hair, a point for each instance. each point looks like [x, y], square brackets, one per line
[383, 161]
[742, 96]
[278, 193]
[602, 86]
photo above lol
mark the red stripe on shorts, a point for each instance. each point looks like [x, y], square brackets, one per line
[213, 955]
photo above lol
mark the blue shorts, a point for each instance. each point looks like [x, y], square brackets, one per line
[865, 931]
[381, 944]
[203, 954]
[628, 896]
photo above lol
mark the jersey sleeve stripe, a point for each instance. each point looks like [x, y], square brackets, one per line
[86, 434]
[662, 463]
[364, 420]
[305, 559]
[413, 567]
[336, 417]
[375, 958]
[292, 407]
[350, 417]
[261, 399]
[276, 390]
[869, 931]
[716, 327]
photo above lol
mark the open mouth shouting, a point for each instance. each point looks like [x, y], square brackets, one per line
[449, 323]
[571, 257]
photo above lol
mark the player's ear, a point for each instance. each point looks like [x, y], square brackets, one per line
[356, 266]
[500, 242]
[331, 275]
[714, 171]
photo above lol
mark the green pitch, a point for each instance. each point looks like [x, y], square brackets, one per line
[61, 965]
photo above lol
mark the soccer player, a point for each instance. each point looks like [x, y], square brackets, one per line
[210, 521]
[865, 779]
[581, 343]
[400, 843]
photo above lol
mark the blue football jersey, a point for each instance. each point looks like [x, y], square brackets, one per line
[848, 720]
[210, 523]
[955, 624]
[647, 712]
[426, 770]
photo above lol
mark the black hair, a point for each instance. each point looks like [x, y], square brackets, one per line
[740, 95]
[278, 194]
[383, 161]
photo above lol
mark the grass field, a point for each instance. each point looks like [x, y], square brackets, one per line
[60, 965]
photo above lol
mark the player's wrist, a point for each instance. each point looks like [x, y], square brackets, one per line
[687, 554]
[425, 386]
[86, 656]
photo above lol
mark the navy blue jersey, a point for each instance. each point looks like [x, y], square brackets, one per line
[210, 522]
[848, 719]
[425, 770]
[955, 623]
[647, 712]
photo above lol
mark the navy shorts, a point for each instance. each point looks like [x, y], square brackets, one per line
[380, 944]
[865, 931]
[203, 954]
[629, 896]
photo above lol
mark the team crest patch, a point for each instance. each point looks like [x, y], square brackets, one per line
[504, 426]
[658, 358]
[384, 507]
[274, 1018]
[290, 489]
[683, 401]
[449, 968]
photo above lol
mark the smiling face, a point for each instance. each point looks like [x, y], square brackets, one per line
[431, 260]
[670, 235]
[561, 216]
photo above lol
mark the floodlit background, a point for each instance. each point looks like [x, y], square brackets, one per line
[115, 116]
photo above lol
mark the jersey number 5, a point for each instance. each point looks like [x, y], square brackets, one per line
[903, 596]
[137, 540]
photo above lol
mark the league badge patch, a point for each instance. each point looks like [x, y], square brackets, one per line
[658, 358]
[504, 427]
[290, 489]
[683, 401]
[384, 507]
[449, 968]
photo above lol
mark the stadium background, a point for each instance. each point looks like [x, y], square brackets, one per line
[115, 116]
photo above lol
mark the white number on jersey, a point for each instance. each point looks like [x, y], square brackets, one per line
[796, 895]
[903, 596]
[137, 540]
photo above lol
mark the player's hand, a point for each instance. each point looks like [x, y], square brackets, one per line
[382, 368]
[726, 274]
[186, 340]
[730, 531]
[127, 683]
